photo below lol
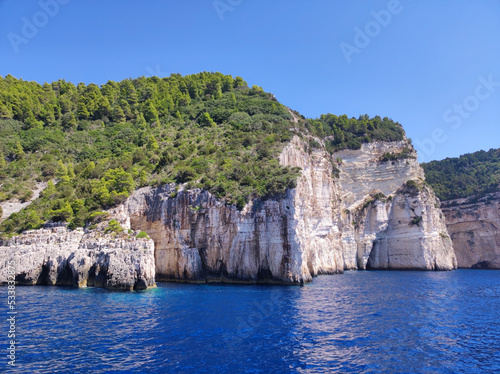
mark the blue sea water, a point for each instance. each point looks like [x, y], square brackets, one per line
[359, 322]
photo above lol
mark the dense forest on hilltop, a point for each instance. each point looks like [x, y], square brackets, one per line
[94, 145]
[341, 132]
[464, 176]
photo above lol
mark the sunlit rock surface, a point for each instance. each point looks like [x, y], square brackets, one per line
[474, 227]
[323, 226]
[386, 225]
[349, 210]
[57, 256]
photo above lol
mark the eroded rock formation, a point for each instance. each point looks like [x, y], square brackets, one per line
[474, 227]
[350, 210]
[387, 223]
[199, 238]
[366, 218]
[58, 256]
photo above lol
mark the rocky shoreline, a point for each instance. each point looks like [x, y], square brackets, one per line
[350, 210]
[61, 257]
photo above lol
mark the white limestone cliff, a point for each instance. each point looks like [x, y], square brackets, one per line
[349, 210]
[380, 213]
[199, 238]
[415, 236]
[324, 225]
[474, 227]
[57, 256]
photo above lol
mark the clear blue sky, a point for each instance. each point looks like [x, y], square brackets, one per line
[430, 55]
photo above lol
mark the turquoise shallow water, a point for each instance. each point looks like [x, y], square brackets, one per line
[359, 322]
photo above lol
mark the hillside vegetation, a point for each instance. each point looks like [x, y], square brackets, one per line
[464, 176]
[95, 144]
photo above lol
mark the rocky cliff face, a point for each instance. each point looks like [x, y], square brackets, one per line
[58, 256]
[352, 210]
[387, 224]
[474, 226]
[415, 236]
[199, 238]
[366, 218]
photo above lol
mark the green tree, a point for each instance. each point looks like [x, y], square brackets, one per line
[82, 111]
[62, 214]
[31, 122]
[48, 114]
[140, 121]
[5, 111]
[68, 121]
[118, 115]
[33, 221]
[104, 109]
[206, 120]
[152, 143]
[62, 172]
[151, 113]
[50, 190]
[71, 171]
[113, 227]
[19, 151]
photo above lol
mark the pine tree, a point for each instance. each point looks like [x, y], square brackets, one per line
[62, 172]
[50, 190]
[151, 114]
[104, 109]
[31, 122]
[118, 115]
[82, 111]
[5, 111]
[153, 144]
[89, 170]
[71, 171]
[206, 120]
[218, 91]
[140, 121]
[126, 109]
[19, 151]
[68, 121]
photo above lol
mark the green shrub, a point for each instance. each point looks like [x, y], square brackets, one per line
[114, 227]
[142, 235]
[416, 220]
[405, 154]
[412, 185]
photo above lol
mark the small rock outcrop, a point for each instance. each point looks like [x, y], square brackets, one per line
[474, 227]
[57, 256]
